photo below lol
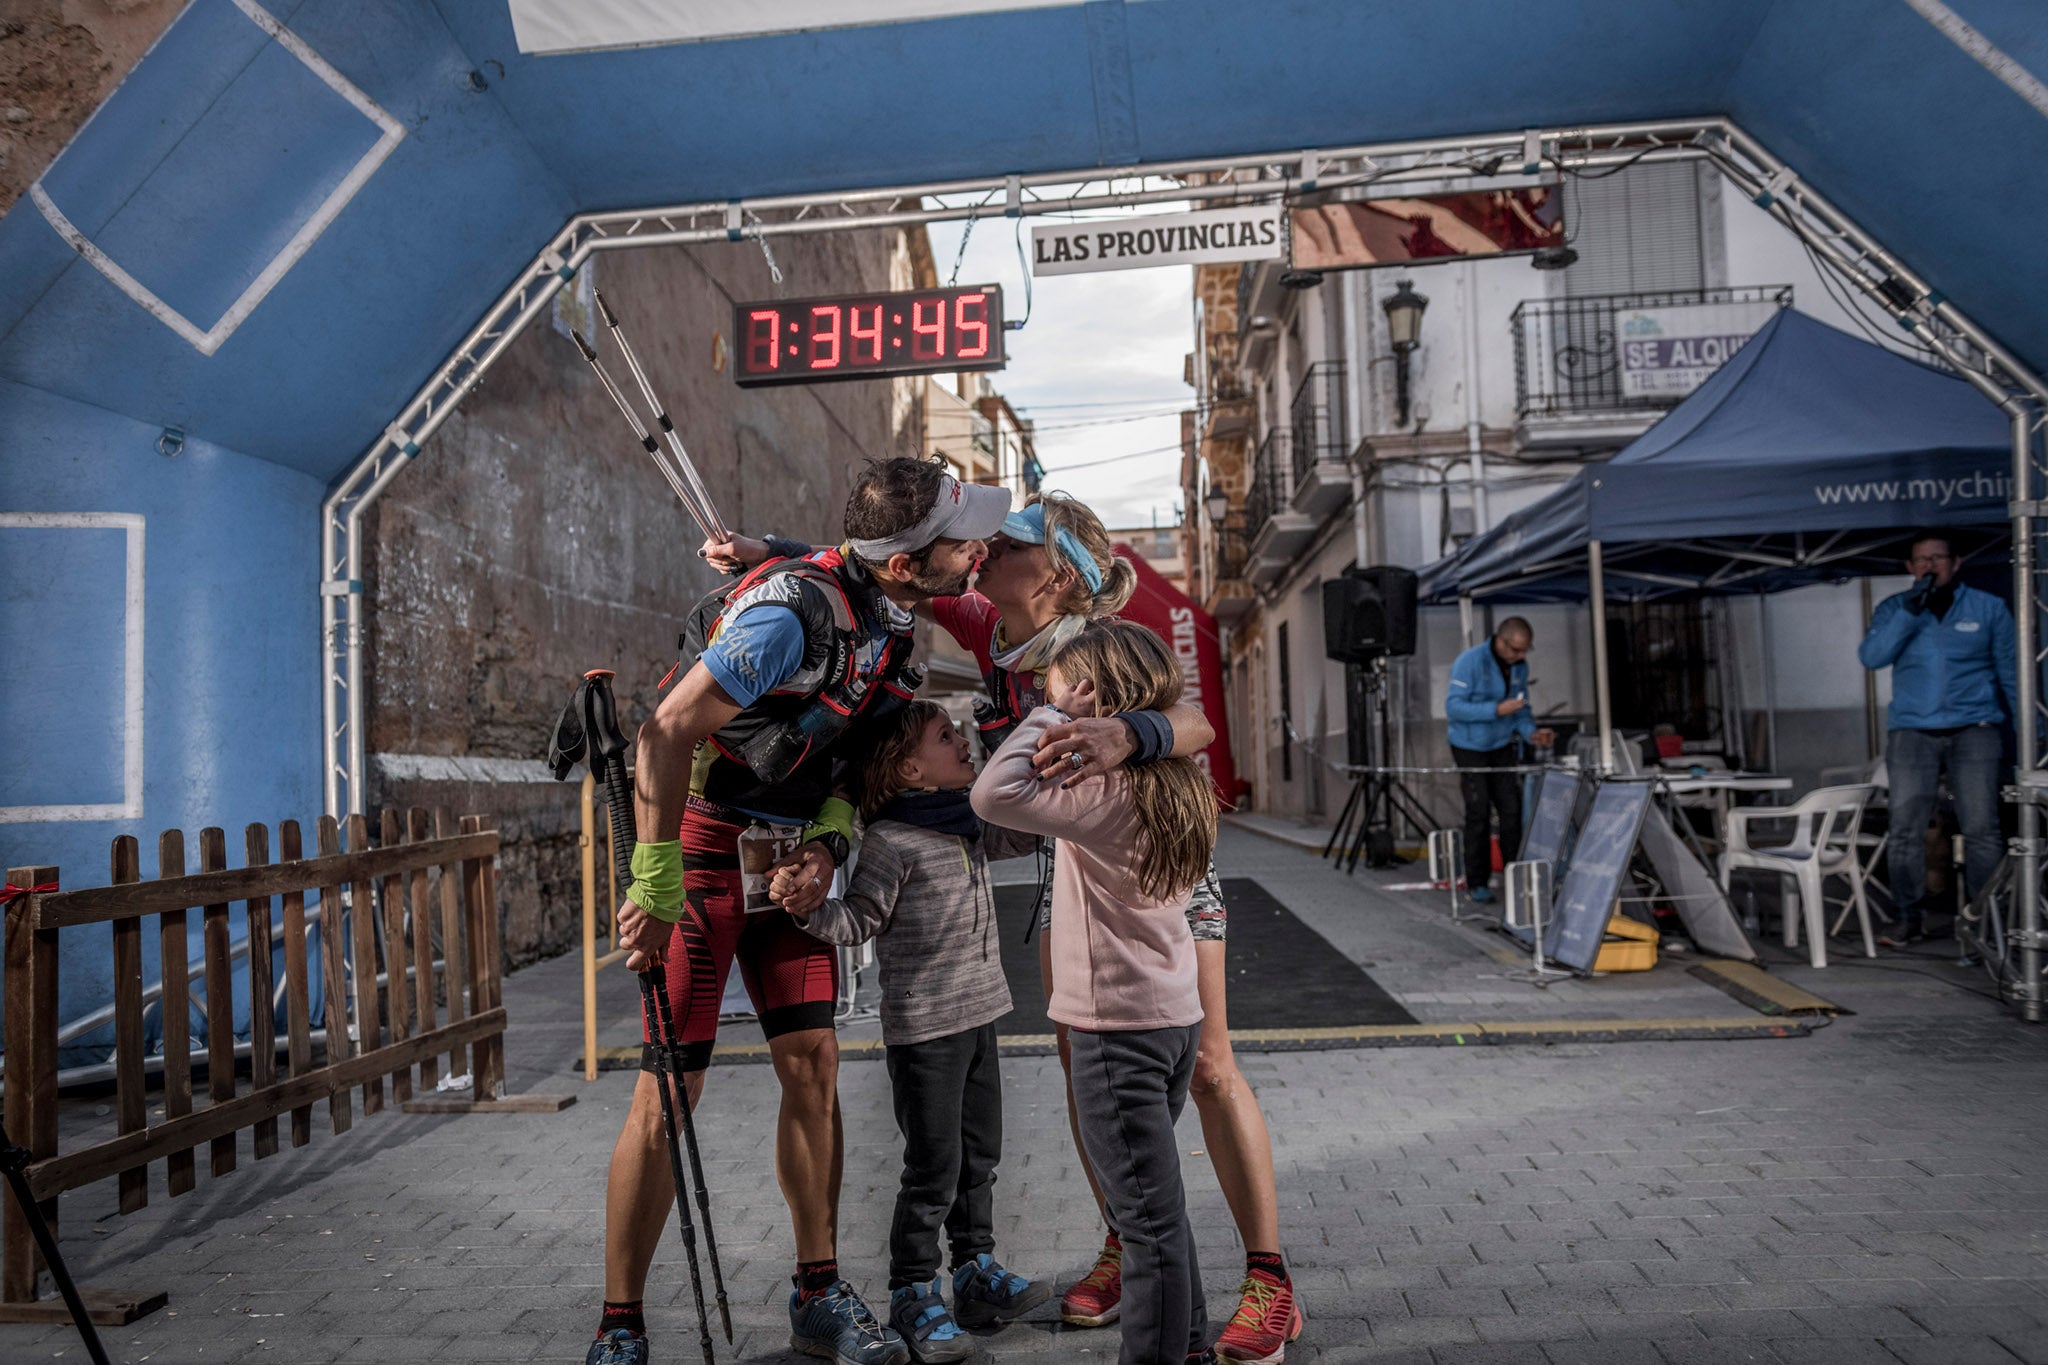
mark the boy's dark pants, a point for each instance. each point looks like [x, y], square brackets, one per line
[949, 1107]
[1129, 1089]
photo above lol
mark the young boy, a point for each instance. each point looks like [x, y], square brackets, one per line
[921, 888]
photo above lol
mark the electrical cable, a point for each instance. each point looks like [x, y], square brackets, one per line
[1112, 459]
[1848, 304]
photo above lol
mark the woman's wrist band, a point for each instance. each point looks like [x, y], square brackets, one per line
[1151, 736]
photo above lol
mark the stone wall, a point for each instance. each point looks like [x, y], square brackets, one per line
[58, 60]
[532, 540]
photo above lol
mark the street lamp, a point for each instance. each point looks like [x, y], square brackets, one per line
[1217, 504]
[1404, 308]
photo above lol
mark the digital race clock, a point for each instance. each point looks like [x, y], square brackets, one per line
[863, 336]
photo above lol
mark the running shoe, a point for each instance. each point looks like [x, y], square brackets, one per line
[618, 1347]
[1267, 1318]
[838, 1326]
[984, 1293]
[919, 1316]
[1096, 1299]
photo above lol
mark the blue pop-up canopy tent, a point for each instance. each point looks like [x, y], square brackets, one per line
[1810, 455]
[1806, 457]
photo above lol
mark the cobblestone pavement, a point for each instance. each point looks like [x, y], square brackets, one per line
[1871, 1192]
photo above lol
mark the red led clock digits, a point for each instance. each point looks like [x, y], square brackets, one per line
[870, 336]
[824, 336]
[764, 337]
[927, 339]
[970, 318]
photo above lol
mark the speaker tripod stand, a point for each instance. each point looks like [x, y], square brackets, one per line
[1365, 827]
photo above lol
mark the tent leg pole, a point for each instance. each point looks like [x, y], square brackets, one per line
[1873, 735]
[1763, 629]
[2027, 722]
[1603, 713]
[1465, 619]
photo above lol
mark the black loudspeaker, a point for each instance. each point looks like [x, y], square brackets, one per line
[1369, 614]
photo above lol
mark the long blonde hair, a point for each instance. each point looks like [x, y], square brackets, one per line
[1119, 579]
[1133, 670]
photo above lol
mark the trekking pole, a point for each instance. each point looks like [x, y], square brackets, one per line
[590, 728]
[683, 463]
[14, 1164]
[707, 520]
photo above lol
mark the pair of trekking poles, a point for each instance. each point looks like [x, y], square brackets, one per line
[589, 731]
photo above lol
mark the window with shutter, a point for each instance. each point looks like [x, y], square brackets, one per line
[1637, 232]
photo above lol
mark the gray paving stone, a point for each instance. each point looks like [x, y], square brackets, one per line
[1852, 1196]
[1950, 1351]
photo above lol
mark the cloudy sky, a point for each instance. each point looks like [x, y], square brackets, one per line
[1098, 367]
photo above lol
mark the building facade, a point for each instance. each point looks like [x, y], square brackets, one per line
[1316, 446]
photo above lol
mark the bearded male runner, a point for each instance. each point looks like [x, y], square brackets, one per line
[799, 652]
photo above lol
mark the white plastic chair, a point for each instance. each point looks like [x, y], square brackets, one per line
[1825, 825]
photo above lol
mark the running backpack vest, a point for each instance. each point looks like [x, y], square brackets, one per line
[813, 707]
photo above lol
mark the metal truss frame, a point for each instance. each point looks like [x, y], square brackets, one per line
[1852, 254]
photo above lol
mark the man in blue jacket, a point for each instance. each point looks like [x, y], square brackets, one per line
[1955, 682]
[1488, 707]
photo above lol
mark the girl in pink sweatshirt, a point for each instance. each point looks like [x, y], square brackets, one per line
[1133, 843]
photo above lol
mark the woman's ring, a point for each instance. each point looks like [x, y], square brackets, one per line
[1077, 760]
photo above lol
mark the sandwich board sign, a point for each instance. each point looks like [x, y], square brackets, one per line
[1600, 861]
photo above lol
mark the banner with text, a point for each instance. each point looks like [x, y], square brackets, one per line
[1245, 234]
[1669, 352]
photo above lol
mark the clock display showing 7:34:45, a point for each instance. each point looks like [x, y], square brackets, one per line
[866, 336]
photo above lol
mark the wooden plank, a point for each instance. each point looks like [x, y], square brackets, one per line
[298, 988]
[453, 976]
[54, 1175]
[340, 1109]
[94, 905]
[363, 923]
[397, 991]
[419, 828]
[20, 1263]
[220, 996]
[180, 1175]
[262, 1013]
[131, 1099]
[510, 1104]
[489, 1062]
[106, 1307]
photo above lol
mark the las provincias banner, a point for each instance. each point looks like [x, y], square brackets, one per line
[1191, 633]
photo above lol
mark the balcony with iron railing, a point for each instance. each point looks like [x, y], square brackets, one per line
[1229, 594]
[1322, 473]
[1278, 530]
[1578, 382]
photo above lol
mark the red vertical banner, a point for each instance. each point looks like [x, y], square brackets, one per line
[1191, 633]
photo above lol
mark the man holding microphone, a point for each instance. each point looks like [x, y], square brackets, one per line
[1955, 682]
[1488, 707]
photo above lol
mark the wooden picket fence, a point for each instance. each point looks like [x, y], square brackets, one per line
[427, 872]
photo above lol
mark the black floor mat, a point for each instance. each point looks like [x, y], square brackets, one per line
[1283, 974]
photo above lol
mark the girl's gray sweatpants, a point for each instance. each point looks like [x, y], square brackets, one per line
[1129, 1089]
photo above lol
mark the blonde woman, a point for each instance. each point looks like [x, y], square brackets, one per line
[1132, 845]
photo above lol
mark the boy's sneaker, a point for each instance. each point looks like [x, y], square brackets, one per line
[1267, 1318]
[1480, 895]
[838, 1326]
[618, 1347]
[919, 1316]
[984, 1293]
[1096, 1299]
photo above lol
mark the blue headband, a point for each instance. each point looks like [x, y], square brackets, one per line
[1029, 527]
